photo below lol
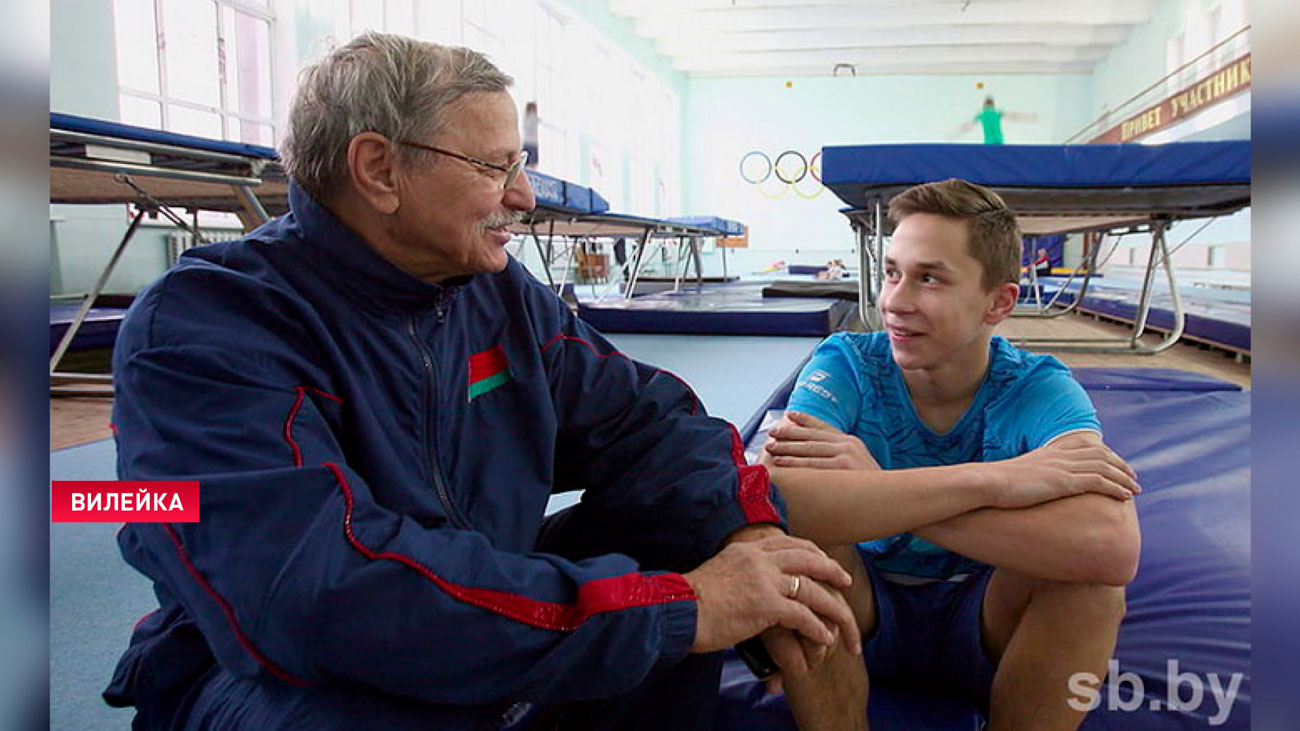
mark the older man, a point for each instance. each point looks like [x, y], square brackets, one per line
[378, 402]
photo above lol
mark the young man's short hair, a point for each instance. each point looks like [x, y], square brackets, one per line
[994, 233]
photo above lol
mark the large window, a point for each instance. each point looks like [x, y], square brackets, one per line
[199, 67]
[225, 69]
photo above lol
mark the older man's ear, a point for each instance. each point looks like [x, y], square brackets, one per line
[373, 170]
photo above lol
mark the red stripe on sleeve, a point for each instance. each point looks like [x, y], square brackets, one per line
[594, 597]
[753, 486]
[293, 414]
[229, 613]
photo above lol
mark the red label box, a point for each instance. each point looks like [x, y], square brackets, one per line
[125, 501]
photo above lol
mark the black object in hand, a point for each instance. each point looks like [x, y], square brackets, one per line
[756, 658]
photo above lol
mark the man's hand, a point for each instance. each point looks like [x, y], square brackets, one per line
[793, 653]
[1060, 469]
[800, 440]
[778, 581]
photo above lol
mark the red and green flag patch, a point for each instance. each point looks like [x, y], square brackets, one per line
[487, 370]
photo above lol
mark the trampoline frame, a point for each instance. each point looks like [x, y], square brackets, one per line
[1053, 209]
[110, 164]
[576, 228]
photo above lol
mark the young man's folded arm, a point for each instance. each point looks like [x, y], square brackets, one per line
[833, 507]
[1084, 538]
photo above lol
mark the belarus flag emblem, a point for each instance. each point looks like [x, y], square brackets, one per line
[487, 370]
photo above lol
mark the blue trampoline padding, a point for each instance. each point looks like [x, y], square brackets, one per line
[1225, 323]
[87, 125]
[1190, 602]
[98, 330]
[555, 194]
[721, 226]
[1037, 166]
[726, 309]
[1149, 379]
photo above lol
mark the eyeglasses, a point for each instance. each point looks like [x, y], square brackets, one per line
[511, 170]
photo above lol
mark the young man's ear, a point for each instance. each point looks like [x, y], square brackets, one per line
[1002, 302]
[372, 166]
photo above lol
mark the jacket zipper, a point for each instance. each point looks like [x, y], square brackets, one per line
[430, 450]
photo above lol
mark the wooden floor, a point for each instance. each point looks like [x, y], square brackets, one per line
[76, 421]
[1183, 355]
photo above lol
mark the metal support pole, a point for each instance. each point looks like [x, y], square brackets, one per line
[89, 301]
[640, 259]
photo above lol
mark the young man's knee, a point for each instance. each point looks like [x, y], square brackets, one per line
[1100, 601]
[1108, 601]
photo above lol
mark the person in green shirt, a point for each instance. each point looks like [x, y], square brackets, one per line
[990, 118]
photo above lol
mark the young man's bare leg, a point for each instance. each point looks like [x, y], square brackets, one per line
[833, 696]
[1039, 633]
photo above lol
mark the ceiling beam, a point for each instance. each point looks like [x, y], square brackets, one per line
[658, 25]
[930, 56]
[910, 69]
[643, 8]
[789, 40]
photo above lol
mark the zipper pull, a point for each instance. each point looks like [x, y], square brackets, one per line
[444, 301]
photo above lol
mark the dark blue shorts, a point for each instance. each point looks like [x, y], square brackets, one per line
[929, 636]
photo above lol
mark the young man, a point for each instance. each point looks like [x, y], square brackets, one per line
[997, 531]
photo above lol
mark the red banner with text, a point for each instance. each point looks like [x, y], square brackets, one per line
[125, 501]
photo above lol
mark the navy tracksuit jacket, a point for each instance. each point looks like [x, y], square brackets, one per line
[375, 454]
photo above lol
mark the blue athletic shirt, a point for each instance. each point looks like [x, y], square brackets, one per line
[1025, 401]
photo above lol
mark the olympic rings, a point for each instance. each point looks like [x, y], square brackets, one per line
[790, 169]
[766, 173]
[794, 178]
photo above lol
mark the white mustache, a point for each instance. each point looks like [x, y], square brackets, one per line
[498, 220]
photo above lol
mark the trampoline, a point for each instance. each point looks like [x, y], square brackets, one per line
[98, 162]
[718, 307]
[575, 214]
[1053, 189]
[98, 326]
[1188, 437]
[738, 308]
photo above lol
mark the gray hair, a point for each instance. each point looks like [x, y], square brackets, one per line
[396, 86]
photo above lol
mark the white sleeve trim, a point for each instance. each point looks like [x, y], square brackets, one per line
[1080, 430]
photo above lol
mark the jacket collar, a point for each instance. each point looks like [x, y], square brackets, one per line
[354, 266]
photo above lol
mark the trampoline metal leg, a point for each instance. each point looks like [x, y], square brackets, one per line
[66, 341]
[870, 251]
[640, 260]
[1180, 318]
[251, 205]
